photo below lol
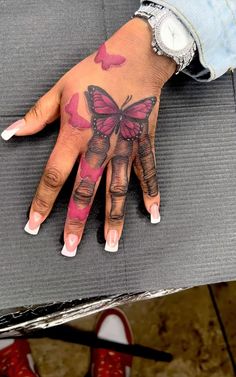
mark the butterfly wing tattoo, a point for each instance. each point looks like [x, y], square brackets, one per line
[76, 120]
[135, 117]
[107, 117]
[105, 112]
[108, 60]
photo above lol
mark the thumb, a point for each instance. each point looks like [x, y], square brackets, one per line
[45, 111]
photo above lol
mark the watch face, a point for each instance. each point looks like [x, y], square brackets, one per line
[172, 34]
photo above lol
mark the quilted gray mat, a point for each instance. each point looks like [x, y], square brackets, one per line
[195, 243]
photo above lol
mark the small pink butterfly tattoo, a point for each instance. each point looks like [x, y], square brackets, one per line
[76, 120]
[107, 117]
[108, 60]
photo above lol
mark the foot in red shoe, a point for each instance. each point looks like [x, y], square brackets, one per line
[16, 359]
[112, 325]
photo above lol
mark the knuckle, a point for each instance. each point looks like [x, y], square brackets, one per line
[35, 110]
[116, 219]
[118, 190]
[40, 204]
[117, 211]
[52, 179]
[84, 192]
[74, 224]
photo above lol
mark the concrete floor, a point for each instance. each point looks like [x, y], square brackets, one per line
[197, 326]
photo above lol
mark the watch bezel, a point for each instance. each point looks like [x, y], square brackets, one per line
[156, 32]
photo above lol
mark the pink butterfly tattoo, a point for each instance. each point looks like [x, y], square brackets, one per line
[76, 120]
[107, 117]
[108, 60]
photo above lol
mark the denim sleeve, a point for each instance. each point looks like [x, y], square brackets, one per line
[213, 26]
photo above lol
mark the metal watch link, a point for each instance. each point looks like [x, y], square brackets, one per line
[170, 36]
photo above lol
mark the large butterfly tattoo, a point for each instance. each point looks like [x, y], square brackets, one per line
[107, 117]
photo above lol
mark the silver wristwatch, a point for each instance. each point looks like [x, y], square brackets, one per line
[170, 36]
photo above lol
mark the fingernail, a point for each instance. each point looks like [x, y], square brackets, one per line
[112, 241]
[70, 247]
[33, 225]
[155, 214]
[12, 129]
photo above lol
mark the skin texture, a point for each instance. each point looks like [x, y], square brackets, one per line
[81, 138]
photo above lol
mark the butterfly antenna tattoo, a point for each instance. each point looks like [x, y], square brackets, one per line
[128, 99]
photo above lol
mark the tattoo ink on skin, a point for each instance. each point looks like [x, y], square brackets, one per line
[84, 192]
[80, 203]
[147, 165]
[108, 117]
[119, 180]
[98, 147]
[76, 213]
[129, 122]
[88, 172]
[76, 120]
[107, 61]
[91, 169]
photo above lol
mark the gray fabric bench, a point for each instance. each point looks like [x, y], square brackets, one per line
[195, 242]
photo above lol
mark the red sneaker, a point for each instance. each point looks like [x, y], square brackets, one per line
[16, 359]
[112, 325]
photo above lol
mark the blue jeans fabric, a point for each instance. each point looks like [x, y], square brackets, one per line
[213, 26]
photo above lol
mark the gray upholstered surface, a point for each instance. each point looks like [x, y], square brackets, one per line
[196, 149]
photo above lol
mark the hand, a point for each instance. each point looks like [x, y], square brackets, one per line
[108, 106]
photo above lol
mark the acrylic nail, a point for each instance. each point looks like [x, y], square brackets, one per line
[70, 247]
[155, 214]
[112, 241]
[33, 225]
[13, 129]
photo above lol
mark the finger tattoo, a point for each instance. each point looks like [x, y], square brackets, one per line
[147, 162]
[80, 202]
[119, 179]
[128, 122]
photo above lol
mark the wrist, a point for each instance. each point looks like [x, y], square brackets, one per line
[136, 36]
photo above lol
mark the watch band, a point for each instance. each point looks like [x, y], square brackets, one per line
[149, 9]
[155, 13]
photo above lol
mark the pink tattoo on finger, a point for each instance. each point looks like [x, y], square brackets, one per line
[86, 171]
[76, 120]
[108, 60]
[76, 213]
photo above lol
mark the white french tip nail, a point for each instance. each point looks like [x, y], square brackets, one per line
[66, 253]
[7, 135]
[112, 241]
[155, 217]
[111, 249]
[154, 220]
[33, 232]
[13, 129]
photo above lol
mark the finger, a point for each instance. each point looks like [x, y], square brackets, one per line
[57, 170]
[45, 111]
[87, 181]
[118, 174]
[145, 169]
